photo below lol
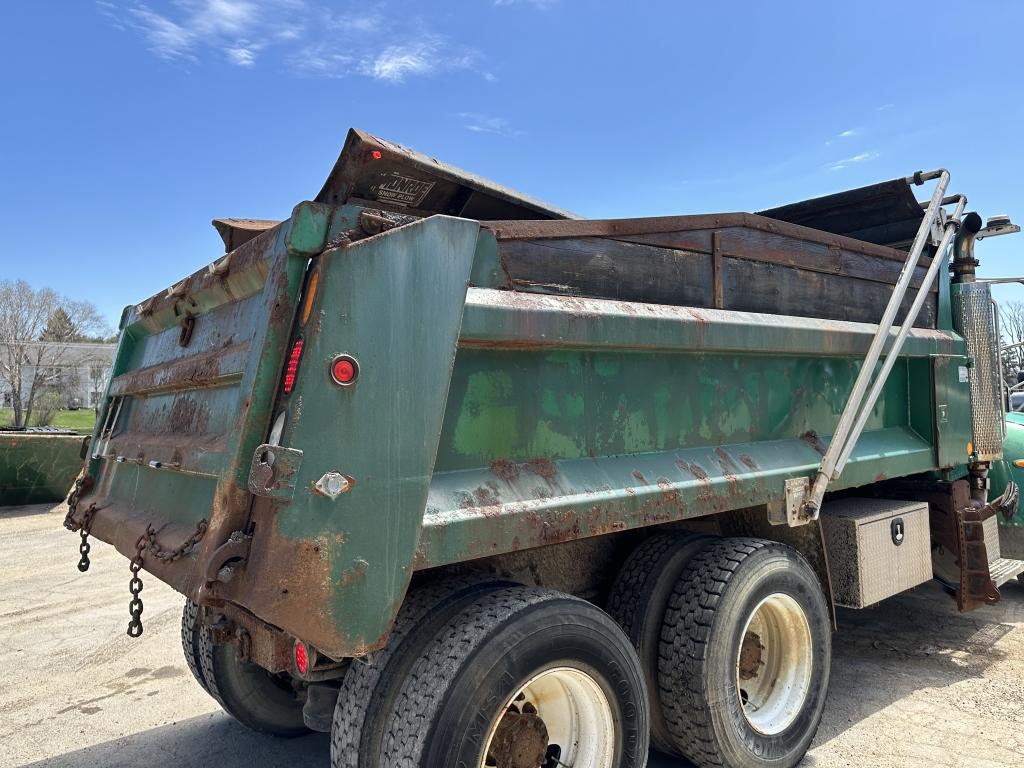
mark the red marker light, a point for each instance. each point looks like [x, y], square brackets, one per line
[291, 371]
[344, 370]
[376, 155]
[301, 657]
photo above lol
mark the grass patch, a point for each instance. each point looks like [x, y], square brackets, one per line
[82, 420]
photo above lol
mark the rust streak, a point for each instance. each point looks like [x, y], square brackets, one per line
[811, 438]
[542, 467]
[729, 470]
[505, 470]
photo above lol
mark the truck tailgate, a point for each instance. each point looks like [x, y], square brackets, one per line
[191, 398]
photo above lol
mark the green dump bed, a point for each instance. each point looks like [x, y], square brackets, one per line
[524, 381]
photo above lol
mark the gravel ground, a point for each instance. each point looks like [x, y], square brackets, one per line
[914, 683]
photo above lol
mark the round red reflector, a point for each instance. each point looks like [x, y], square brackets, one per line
[376, 155]
[301, 657]
[344, 369]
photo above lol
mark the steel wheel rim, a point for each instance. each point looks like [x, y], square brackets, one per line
[774, 663]
[576, 713]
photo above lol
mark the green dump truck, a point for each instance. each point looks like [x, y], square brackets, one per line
[468, 481]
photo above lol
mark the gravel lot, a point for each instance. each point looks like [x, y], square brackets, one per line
[914, 683]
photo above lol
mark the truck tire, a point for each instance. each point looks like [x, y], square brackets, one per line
[745, 656]
[522, 677]
[637, 602]
[371, 684]
[190, 642]
[259, 700]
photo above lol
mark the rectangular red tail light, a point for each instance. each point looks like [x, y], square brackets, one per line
[291, 371]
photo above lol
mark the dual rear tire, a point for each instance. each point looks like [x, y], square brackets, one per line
[481, 674]
[259, 700]
[497, 676]
[736, 649]
[723, 657]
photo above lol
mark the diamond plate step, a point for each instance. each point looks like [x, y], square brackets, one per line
[1004, 569]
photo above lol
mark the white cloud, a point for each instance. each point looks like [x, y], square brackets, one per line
[396, 62]
[847, 134]
[424, 56]
[309, 38]
[478, 123]
[363, 23]
[108, 9]
[541, 5]
[242, 55]
[228, 17]
[290, 33]
[191, 27]
[839, 165]
[165, 38]
[321, 60]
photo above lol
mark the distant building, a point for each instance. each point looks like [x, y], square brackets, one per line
[79, 374]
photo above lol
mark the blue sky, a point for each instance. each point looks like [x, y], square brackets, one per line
[128, 125]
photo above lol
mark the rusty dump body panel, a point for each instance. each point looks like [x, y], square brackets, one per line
[523, 379]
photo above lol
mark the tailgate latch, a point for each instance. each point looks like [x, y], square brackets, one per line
[273, 471]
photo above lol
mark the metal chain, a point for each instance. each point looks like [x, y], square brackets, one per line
[147, 541]
[82, 484]
[170, 555]
[135, 587]
[76, 492]
[84, 547]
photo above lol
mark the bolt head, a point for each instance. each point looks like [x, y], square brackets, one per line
[332, 485]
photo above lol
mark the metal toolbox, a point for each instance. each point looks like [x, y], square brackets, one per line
[877, 548]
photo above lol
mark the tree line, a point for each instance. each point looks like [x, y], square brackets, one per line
[33, 374]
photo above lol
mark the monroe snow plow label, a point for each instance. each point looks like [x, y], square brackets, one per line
[403, 190]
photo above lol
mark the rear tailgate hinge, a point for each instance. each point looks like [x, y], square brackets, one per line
[230, 555]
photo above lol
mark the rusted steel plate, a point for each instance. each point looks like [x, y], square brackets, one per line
[396, 177]
[205, 369]
[209, 432]
[886, 212]
[338, 567]
[235, 232]
[758, 272]
[625, 228]
[518, 505]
